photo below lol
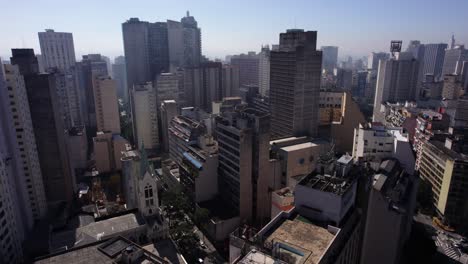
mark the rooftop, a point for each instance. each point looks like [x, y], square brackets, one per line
[326, 183]
[299, 146]
[256, 257]
[301, 239]
[108, 251]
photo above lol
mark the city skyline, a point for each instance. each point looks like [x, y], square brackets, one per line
[98, 29]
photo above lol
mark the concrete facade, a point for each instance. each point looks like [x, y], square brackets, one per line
[145, 116]
[107, 109]
[57, 49]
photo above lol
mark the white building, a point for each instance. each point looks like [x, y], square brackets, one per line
[168, 111]
[375, 142]
[106, 104]
[19, 108]
[264, 71]
[57, 49]
[145, 116]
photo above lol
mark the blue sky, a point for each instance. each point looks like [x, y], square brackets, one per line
[235, 26]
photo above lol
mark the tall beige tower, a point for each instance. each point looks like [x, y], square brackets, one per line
[105, 100]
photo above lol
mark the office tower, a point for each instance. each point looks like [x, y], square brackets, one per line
[444, 168]
[167, 88]
[264, 71]
[374, 58]
[15, 212]
[248, 65]
[361, 84]
[77, 147]
[108, 64]
[168, 111]
[433, 59]
[19, 108]
[108, 148]
[119, 74]
[452, 88]
[203, 85]
[344, 79]
[90, 67]
[453, 60]
[295, 74]
[243, 140]
[396, 81]
[330, 58]
[430, 88]
[192, 41]
[136, 48]
[69, 97]
[40, 61]
[106, 104]
[57, 49]
[416, 49]
[391, 206]
[231, 85]
[47, 121]
[145, 116]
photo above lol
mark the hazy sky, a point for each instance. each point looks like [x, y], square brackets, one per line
[235, 26]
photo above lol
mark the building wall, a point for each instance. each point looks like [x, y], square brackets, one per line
[168, 111]
[107, 110]
[19, 109]
[57, 49]
[102, 155]
[231, 83]
[145, 116]
[264, 71]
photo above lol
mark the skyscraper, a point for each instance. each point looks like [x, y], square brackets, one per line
[48, 128]
[396, 81]
[264, 71]
[105, 101]
[57, 49]
[330, 57]
[145, 116]
[453, 60]
[416, 49]
[19, 108]
[248, 68]
[192, 41]
[230, 78]
[15, 213]
[119, 74]
[374, 58]
[243, 140]
[433, 59]
[168, 111]
[295, 84]
[203, 85]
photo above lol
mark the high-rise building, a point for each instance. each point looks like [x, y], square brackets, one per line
[47, 121]
[391, 206]
[119, 74]
[15, 213]
[69, 97]
[19, 108]
[57, 49]
[168, 111]
[243, 140]
[248, 65]
[108, 64]
[453, 60]
[231, 85]
[264, 71]
[107, 109]
[433, 59]
[167, 88]
[329, 57]
[445, 170]
[396, 81]
[145, 116]
[91, 66]
[192, 41]
[344, 79]
[295, 74]
[416, 49]
[374, 58]
[203, 85]
[452, 87]
[108, 149]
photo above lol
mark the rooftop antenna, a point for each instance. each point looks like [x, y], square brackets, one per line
[188, 13]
